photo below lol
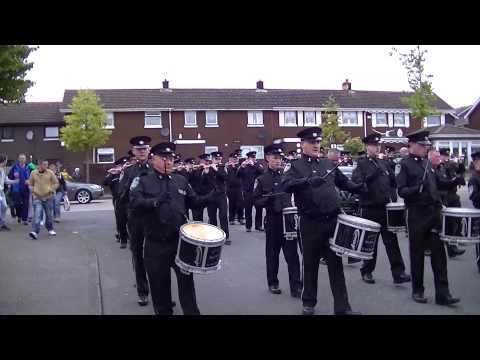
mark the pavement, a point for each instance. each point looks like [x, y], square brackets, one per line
[82, 270]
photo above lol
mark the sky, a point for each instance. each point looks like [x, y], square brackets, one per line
[455, 68]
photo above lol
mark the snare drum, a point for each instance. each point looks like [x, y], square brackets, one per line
[199, 248]
[290, 223]
[465, 221]
[396, 220]
[355, 237]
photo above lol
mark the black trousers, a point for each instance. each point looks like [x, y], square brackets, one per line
[218, 204]
[421, 221]
[121, 221]
[314, 237]
[159, 259]
[477, 253]
[235, 204]
[197, 213]
[137, 240]
[397, 266]
[275, 241]
[248, 202]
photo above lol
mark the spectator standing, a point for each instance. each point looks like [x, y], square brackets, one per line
[43, 184]
[60, 193]
[76, 175]
[20, 191]
[3, 199]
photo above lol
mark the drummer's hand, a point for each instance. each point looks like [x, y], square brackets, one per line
[164, 198]
[316, 181]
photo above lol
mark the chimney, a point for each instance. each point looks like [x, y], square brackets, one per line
[165, 84]
[347, 85]
[259, 85]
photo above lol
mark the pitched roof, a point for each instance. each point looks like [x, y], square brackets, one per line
[31, 113]
[448, 130]
[244, 99]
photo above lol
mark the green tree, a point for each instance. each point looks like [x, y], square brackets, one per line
[84, 128]
[331, 132]
[354, 145]
[421, 102]
[13, 69]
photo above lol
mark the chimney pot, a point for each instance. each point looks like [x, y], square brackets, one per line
[260, 85]
[347, 85]
[165, 84]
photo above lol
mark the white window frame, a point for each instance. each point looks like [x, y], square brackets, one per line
[255, 119]
[309, 123]
[11, 139]
[430, 116]
[153, 114]
[210, 149]
[51, 138]
[185, 119]
[290, 124]
[343, 123]
[394, 120]
[385, 124]
[111, 117]
[105, 151]
[247, 148]
[207, 124]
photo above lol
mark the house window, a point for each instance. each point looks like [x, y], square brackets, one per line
[255, 118]
[211, 118]
[51, 132]
[290, 118]
[247, 148]
[210, 149]
[349, 118]
[6, 133]
[309, 118]
[190, 119]
[433, 120]
[382, 119]
[105, 155]
[109, 122]
[153, 120]
[398, 119]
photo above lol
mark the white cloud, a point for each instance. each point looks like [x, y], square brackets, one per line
[57, 68]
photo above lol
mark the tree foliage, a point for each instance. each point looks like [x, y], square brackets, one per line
[354, 145]
[13, 69]
[421, 102]
[331, 132]
[85, 126]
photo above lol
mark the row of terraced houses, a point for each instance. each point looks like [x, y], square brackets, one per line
[206, 120]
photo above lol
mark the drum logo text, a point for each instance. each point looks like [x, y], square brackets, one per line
[356, 239]
[464, 227]
[198, 256]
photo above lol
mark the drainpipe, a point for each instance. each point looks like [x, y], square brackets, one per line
[170, 123]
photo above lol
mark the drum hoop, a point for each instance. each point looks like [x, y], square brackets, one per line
[395, 206]
[460, 239]
[340, 250]
[464, 212]
[290, 210]
[365, 227]
[195, 269]
[197, 241]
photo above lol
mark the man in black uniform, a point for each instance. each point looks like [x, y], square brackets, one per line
[446, 172]
[418, 186]
[112, 181]
[234, 191]
[318, 205]
[161, 196]
[217, 176]
[135, 226]
[200, 185]
[474, 194]
[381, 185]
[248, 171]
[269, 184]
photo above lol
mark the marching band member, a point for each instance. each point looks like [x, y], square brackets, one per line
[474, 194]
[269, 183]
[418, 186]
[318, 205]
[381, 186]
[135, 226]
[200, 185]
[234, 191]
[161, 196]
[248, 171]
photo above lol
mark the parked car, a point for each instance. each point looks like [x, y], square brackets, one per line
[82, 192]
[348, 201]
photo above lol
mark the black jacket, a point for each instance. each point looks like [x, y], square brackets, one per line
[447, 182]
[216, 179]
[233, 181]
[270, 183]
[474, 189]
[126, 178]
[112, 181]
[248, 174]
[380, 180]
[162, 200]
[323, 200]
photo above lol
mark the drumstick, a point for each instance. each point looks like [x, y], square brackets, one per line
[424, 175]
[333, 170]
[274, 194]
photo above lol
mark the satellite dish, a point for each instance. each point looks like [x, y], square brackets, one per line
[165, 132]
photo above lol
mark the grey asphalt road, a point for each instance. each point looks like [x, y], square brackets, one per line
[83, 271]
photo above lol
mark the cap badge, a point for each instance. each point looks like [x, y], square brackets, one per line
[167, 149]
[141, 142]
